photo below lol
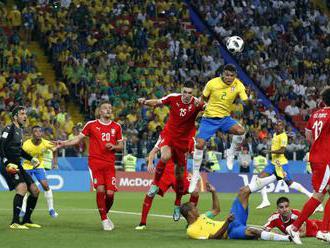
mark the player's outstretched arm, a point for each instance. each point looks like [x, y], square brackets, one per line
[220, 233]
[72, 142]
[215, 200]
[151, 102]
[152, 155]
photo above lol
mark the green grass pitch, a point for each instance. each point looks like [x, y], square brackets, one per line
[78, 224]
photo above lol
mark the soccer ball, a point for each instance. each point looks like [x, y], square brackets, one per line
[235, 44]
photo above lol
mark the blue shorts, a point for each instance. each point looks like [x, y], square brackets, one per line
[209, 126]
[270, 169]
[236, 229]
[39, 173]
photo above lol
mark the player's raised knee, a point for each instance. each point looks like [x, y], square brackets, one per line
[200, 143]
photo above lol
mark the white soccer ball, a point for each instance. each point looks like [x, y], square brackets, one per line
[235, 44]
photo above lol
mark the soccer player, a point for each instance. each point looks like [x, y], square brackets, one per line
[167, 180]
[220, 93]
[317, 133]
[39, 147]
[234, 227]
[11, 169]
[177, 132]
[285, 216]
[280, 165]
[105, 139]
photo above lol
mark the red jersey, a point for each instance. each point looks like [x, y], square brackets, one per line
[319, 124]
[181, 121]
[99, 135]
[275, 220]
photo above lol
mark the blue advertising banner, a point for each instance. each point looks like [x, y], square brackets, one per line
[231, 182]
[60, 180]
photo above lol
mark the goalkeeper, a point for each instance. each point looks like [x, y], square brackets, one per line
[11, 169]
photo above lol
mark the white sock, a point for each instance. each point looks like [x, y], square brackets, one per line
[198, 157]
[49, 199]
[301, 189]
[23, 209]
[259, 183]
[264, 195]
[236, 141]
[273, 236]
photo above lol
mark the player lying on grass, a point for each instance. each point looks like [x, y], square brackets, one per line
[234, 227]
[285, 216]
[167, 180]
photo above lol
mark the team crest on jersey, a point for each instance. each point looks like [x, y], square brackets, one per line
[232, 89]
[113, 131]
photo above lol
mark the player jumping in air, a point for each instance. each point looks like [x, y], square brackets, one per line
[317, 133]
[177, 132]
[202, 226]
[219, 93]
[168, 180]
[105, 139]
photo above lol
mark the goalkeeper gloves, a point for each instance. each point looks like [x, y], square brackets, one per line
[12, 168]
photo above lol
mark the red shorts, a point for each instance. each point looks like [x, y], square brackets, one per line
[168, 180]
[179, 148]
[312, 227]
[320, 177]
[103, 174]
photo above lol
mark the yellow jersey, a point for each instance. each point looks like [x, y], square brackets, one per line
[203, 227]
[221, 97]
[279, 141]
[41, 152]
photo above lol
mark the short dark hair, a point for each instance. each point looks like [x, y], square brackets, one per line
[281, 200]
[16, 109]
[188, 84]
[325, 94]
[35, 126]
[230, 67]
[185, 208]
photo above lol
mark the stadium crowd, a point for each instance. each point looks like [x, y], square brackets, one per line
[118, 51]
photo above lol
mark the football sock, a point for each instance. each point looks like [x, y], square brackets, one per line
[235, 143]
[259, 183]
[194, 199]
[17, 205]
[273, 236]
[326, 217]
[197, 160]
[307, 211]
[264, 194]
[147, 203]
[159, 171]
[301, 189]
[109, 201]
[178, 198]
[49, 199]
[24, 202]
[100, 201]
[30, 205]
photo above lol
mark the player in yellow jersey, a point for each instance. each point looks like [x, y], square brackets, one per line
[44, 150]
[234, 227]
[279, 166]
[220, 94]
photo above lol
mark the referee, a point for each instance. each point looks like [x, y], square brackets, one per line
[11, 169]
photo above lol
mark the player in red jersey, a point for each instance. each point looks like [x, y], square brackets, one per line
[167, 180]
[105, 138]
[285, 216]
[177, 132]
[318, 133]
